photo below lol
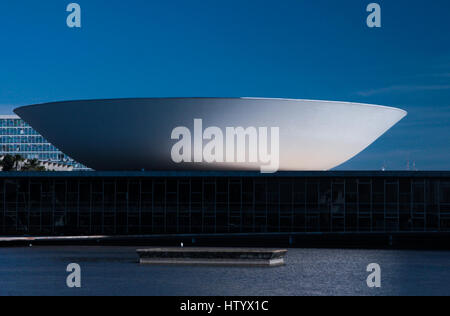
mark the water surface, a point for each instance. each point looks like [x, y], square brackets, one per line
[115, 271]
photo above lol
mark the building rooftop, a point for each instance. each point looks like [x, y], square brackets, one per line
[187, 174]
[11, 117]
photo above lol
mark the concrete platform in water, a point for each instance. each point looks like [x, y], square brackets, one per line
[213, 256]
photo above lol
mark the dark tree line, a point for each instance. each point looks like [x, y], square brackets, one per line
[18, 163]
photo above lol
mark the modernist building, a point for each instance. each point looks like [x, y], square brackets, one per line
[140, 134]
[123, 138]
[135, 203]
[19, 138]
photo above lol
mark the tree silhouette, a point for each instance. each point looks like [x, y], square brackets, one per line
[18, 163]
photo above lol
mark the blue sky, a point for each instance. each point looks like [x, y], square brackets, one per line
[318, 49]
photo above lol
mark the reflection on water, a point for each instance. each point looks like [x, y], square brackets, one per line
[114, 271]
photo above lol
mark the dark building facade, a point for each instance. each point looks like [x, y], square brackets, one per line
[146, 203]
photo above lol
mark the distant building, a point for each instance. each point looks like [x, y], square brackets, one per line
[19, 138]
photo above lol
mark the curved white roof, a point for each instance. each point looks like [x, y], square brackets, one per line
[135, 134]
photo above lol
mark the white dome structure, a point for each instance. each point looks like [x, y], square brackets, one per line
[137, 134]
